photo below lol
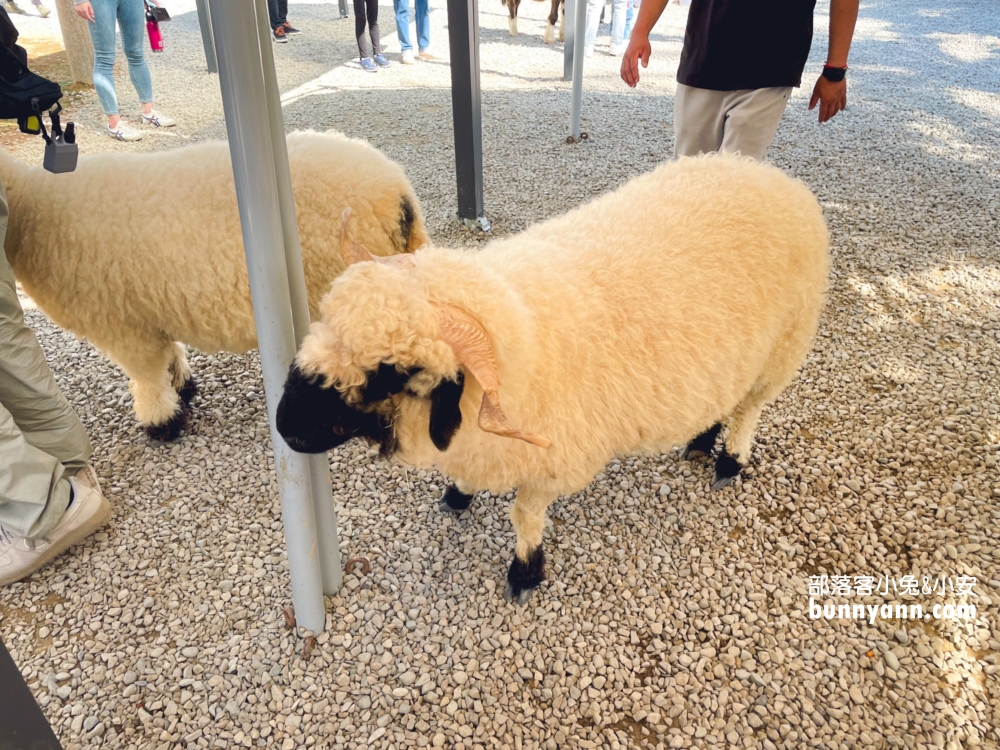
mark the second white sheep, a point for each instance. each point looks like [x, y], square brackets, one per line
[140, 253]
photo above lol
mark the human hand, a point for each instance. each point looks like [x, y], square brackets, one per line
[832, 98]
[85, 11]
[638, 49]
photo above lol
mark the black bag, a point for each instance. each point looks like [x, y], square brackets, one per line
[22, 93]
[159, 14]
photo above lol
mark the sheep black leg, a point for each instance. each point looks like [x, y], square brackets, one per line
[189, 390]
[525, 576]
[727, 468]
[171, 430]
[454, 500]
[703, 445]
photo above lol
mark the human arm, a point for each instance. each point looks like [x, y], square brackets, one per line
[85, 10]
[638, 46]
[832, 97]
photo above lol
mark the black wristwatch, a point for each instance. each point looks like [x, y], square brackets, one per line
[834, 75]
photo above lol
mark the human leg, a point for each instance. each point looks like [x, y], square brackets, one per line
[373, 26]
[752, 121]
[360, 24]
[423, 12]
[42, 441]
[402, 11]
[699, 117]
[618, 38]
[594, 10]
[102, 36]
[131, 20]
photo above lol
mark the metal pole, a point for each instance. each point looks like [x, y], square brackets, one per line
[319, 466]
[343, 9]
[569, 26]
[205, 22]
[580, 30]
[466, 105]
[241, 79]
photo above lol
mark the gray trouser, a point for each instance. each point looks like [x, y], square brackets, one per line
[744, 120]
[42, 441]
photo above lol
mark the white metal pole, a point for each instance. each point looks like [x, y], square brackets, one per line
[205, 24]
[576, 110]
[241, 79]
[319, 466]
[569, 28]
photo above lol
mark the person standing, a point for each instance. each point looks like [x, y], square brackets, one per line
[366, 15]
[131, 17]
[739, 64]
[50, 498]
[277, 12]
[619, 14]
[12, 7]
[423, 23]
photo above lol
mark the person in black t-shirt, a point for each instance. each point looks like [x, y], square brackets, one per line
[739, 64]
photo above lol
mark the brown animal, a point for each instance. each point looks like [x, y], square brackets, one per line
[550, 30]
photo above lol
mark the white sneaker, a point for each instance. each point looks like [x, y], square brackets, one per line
[408, 58]
[123, 132]
[20, 557]
[158, 119]
[618, 51]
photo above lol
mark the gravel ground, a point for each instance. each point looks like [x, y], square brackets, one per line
[675, 617]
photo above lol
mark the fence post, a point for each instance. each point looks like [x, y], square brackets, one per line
[466, 104]
[241, 79]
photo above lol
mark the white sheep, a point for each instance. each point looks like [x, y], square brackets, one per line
[646, 319]
[137, 252]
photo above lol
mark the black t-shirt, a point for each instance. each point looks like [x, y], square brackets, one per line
[746, 44]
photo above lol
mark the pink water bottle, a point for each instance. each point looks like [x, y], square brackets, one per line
[153, 29]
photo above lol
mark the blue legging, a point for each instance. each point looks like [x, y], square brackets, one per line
[131, 18]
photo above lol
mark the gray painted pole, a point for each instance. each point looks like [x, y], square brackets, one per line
[319, 465]
[569, 27]
[343, 9]
[241, 79]
[207, 41]
[576, 110]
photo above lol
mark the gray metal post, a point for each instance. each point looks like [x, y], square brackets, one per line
[466, 110]
[343, 9]
[207, 41]
[569, 27]
[580, 29]
[319, 466]
[241, 79]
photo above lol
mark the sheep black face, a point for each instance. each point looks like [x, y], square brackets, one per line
[314, 419]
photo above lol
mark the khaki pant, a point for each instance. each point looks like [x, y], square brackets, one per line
[42, 441]
[743, 121]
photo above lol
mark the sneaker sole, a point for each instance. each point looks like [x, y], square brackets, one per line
[97, 521]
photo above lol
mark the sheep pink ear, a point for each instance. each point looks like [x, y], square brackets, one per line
[472, 345]
[355, 253]
[351, 250]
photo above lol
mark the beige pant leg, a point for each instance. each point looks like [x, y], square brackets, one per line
[743, 121]
[42, 440]
[752, 119]
[699, 120]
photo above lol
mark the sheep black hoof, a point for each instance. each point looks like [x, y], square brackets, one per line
[727, 469]
[524, 577]
[189, 390]
[703, 445]
[170, 430]
[454, 500]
